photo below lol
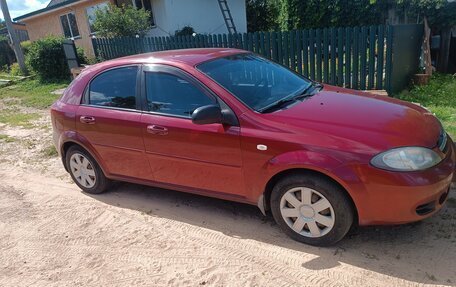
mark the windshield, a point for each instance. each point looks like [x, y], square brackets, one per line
[255, 81]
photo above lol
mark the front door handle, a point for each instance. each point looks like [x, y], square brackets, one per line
[157, 130]
[87, 120]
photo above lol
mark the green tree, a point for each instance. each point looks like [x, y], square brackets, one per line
[261, 15]
[121, 21]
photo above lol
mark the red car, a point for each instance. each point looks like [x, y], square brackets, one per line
[230, 124]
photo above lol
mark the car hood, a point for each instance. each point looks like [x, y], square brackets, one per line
[375, 121]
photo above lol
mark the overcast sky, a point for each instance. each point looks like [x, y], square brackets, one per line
[21, 7]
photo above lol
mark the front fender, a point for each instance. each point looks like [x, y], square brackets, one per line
[309, 160]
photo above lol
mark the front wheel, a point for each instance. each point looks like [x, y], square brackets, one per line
[312, 209]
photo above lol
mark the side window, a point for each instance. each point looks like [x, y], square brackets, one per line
[169, 94]
[115, 88]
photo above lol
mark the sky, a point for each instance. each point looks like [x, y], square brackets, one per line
[21, 7]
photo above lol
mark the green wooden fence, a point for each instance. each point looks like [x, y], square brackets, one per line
[353, 57]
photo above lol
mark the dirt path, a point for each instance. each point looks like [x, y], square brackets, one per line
[52, 234]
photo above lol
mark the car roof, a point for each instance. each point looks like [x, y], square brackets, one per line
[191, 57]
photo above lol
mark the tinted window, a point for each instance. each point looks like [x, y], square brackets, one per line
[115, 88]
[172, 95]
[255, 81]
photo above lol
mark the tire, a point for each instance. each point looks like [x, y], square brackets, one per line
[312, 224]
[85, 171]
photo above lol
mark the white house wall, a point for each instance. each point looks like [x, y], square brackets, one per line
[203, 15]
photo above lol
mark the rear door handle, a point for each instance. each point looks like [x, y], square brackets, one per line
[157, 130]
[87, 120]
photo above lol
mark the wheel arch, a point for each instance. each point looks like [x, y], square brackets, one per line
[264, 200]
[69, 143]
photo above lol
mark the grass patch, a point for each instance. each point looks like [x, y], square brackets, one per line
[7, 138]
[14, 118]
[50, 151]
[33, 93]
[440, 97]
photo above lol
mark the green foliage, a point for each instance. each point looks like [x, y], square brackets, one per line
[121, 21]
[26, 46]
[185, 31]
[47, 59]
[82, 59]
[439, 97]
[33, 93]
[15, 70]
[261, 15]
[264, 15]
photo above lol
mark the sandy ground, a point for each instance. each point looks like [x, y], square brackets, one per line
[52, 234]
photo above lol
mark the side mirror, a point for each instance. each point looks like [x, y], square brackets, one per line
[210, 114]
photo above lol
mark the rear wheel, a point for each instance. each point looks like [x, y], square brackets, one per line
[312, 209]
[85, 171]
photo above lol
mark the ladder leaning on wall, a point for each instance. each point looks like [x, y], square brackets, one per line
[227, 16]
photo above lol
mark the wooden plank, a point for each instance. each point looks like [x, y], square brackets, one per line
[348, 57]
[292, 47]
[298, 39]
[363, 59]
[340, 57]
[305, 52]
[262, 45]
[380, 57]
[267, 45]
[333, 56]
[318, 60]
[312, 45]
[256, 43]
[279, 48]
[286, 49]
[274, 51]
[355, 78]
[389, 58]
[250, 42]
[326, 55]
[372, 45]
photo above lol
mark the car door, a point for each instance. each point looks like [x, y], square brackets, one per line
[205, 157]
[109, 118]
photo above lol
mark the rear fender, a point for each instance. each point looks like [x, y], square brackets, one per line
[73, 137]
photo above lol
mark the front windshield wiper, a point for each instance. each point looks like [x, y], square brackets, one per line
[307, 92]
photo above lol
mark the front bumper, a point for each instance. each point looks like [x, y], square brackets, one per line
[384, 197]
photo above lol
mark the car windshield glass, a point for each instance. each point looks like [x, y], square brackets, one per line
[255, 81]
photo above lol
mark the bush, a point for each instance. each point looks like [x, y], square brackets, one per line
[15, 70]
[47, 59]
[82, 59]
[119, 22]
[26, 46]
[186, 31]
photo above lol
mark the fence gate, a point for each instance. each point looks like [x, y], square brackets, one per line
[70, 54]
[374, 57]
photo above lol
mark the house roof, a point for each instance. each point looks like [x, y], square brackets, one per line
[53, 5]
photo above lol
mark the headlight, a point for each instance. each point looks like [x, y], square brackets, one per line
[406, 159]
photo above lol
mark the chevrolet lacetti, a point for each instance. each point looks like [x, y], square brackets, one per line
[230, 124]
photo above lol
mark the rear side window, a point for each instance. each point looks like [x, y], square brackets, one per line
[115, 88]
[172, 95]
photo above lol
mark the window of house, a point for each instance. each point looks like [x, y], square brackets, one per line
[69, 25]
[147, 5]
[172, 95]
[115, 88]
[91, 14]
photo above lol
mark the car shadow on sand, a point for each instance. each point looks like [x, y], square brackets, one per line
[423, 252]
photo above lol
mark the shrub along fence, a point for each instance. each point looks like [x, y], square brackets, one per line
[374, 57]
